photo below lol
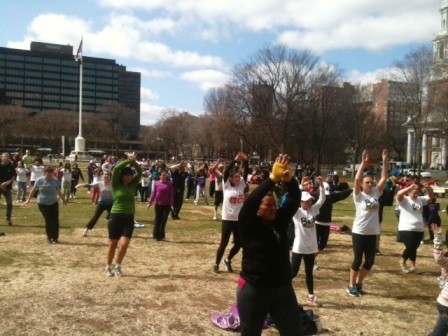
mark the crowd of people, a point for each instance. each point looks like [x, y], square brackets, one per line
[284, 220]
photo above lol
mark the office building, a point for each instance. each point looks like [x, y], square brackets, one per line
[46, 77]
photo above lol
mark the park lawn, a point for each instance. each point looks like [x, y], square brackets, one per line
[168, 288]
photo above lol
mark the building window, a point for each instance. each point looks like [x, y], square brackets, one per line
[15, 57]
[33, 66]
[14, 72]
[52, 68]
[52, 61]
[33, 59]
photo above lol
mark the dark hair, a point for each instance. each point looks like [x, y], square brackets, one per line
[48, 169]
[126, 171]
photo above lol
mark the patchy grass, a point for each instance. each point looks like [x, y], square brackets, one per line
[168, 287]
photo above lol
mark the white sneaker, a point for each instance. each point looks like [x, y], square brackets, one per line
[214, 216]
[415, 270]
[404, 268]
[316, 266]
[108, 271]
[117, 271]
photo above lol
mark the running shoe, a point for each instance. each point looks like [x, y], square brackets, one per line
[352, 291]
[117, 271]
[404, 268]
[316, 266]
[108, 271]
[312, 300]
[415, 270]
[228, 264]
[359, 288]
[216, 269]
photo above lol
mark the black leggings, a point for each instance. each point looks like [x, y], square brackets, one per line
[51, 217]
[254, 303]
[411, 241]
[322, 232]
[100, 208]
[296, 260]
[363, 245]
[228, 228]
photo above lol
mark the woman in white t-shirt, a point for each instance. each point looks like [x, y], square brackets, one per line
[366, 225]
[305, 241]
[411, 226]
[234, 186]
[21, 182]
[37, 170]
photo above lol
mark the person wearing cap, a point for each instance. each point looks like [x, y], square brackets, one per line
[305, 241]
[234, 186]
[121, 222]
[324, 218]
[366, 223]
[265, 282]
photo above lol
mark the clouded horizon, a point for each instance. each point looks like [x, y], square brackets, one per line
[185, 47]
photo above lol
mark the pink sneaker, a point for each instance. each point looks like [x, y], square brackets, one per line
[312, 300]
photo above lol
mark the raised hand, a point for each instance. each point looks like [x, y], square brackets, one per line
[385, 154]
[435, 228]
[365, 156]
[131, 156]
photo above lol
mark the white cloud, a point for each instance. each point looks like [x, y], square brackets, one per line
[357, 77]
[374, 33]
[205, 79]
[318, 25]
[149, 113]
[151, 73]
[123, 36]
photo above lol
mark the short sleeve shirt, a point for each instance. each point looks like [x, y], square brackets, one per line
[411, 214]
[367, 219]
[48, 190]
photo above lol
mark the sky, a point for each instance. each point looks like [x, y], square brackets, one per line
[185, 47]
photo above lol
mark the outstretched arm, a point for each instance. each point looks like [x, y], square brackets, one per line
[360, 172]
[383, 179]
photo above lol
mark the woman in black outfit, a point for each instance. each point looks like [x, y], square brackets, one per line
[76, 174]
[265, 280]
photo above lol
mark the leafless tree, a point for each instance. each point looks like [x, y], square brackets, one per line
[119, 120]
[411, 78]
[363, 129]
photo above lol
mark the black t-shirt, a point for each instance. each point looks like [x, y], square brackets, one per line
[6, 173]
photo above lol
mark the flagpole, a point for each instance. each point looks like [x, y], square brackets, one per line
[80, 99]
[80, 145]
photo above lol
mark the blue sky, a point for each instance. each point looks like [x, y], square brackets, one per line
[185, 47]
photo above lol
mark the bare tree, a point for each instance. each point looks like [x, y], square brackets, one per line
[12, 118]
[271, 87]
[363, 129]
[117, 118]
[412, 76]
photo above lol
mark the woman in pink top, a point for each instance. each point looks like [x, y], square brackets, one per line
[164, 196]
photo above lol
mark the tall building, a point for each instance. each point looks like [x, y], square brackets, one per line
[47, 77]
[391, 101]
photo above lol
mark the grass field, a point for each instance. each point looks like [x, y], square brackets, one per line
[168, 287]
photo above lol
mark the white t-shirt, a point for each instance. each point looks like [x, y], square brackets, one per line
[66, 175]
[411, 218]
[233, 200]
[21, 174]
[305, 241]
[36, 172]
[367, 220]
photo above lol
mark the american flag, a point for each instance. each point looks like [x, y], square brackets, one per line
[78, 54]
